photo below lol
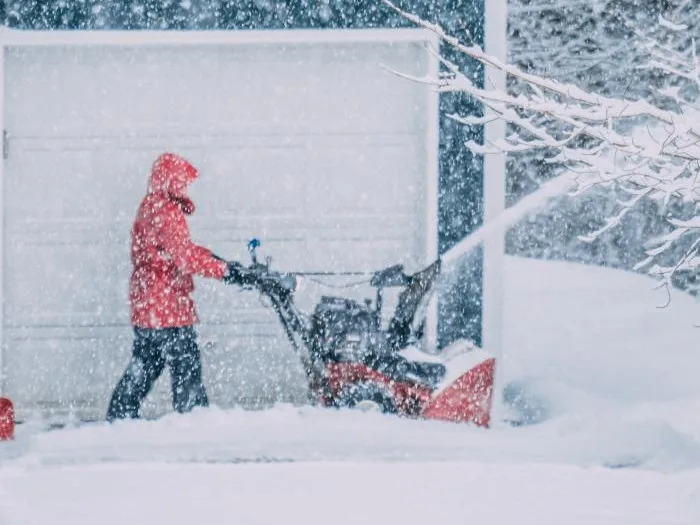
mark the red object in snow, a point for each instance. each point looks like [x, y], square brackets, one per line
[468, 399]
[7, 419]
[408, 397]
[163, 256]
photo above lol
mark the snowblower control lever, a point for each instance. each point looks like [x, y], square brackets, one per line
[252, 245]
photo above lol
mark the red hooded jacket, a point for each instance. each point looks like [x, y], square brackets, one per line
[163, 256]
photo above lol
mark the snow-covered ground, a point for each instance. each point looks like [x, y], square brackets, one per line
[349, 493]
[608, 382]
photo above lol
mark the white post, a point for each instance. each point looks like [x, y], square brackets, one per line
[495, 44]
[3, 342]
[432, 188]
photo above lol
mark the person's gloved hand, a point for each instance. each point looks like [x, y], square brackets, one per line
[235, 273]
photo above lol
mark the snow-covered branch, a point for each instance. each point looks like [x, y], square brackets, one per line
[635, 147]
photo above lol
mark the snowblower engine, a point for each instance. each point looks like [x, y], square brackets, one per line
[345, 330]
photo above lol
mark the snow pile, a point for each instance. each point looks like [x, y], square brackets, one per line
[289, 434]
[600, 331]
[603, 355]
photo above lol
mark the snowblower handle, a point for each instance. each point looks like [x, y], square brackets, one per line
[259, 275]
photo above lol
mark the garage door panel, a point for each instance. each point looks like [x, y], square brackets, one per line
[47, 177]
[250, 181]
[312, 243]
[323, 177]
[65, 285]
[150, 88]
[363, 254]
[72, 186]
[63, 367]
[320, 177]
[362, 180]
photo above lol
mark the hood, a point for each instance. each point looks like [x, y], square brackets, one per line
[171, 174]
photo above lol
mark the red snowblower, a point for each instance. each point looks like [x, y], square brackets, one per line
[352, 361]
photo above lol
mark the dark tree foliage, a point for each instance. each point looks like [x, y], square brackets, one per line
[225, 14]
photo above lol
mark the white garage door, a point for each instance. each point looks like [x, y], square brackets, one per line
[308, 144]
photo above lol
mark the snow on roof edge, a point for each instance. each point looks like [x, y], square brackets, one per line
[21, 37]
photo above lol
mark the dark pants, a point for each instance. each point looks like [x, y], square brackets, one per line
[152, 350]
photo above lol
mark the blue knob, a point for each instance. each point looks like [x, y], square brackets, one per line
[253, 243]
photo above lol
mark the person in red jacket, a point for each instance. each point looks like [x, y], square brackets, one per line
[164, 260]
